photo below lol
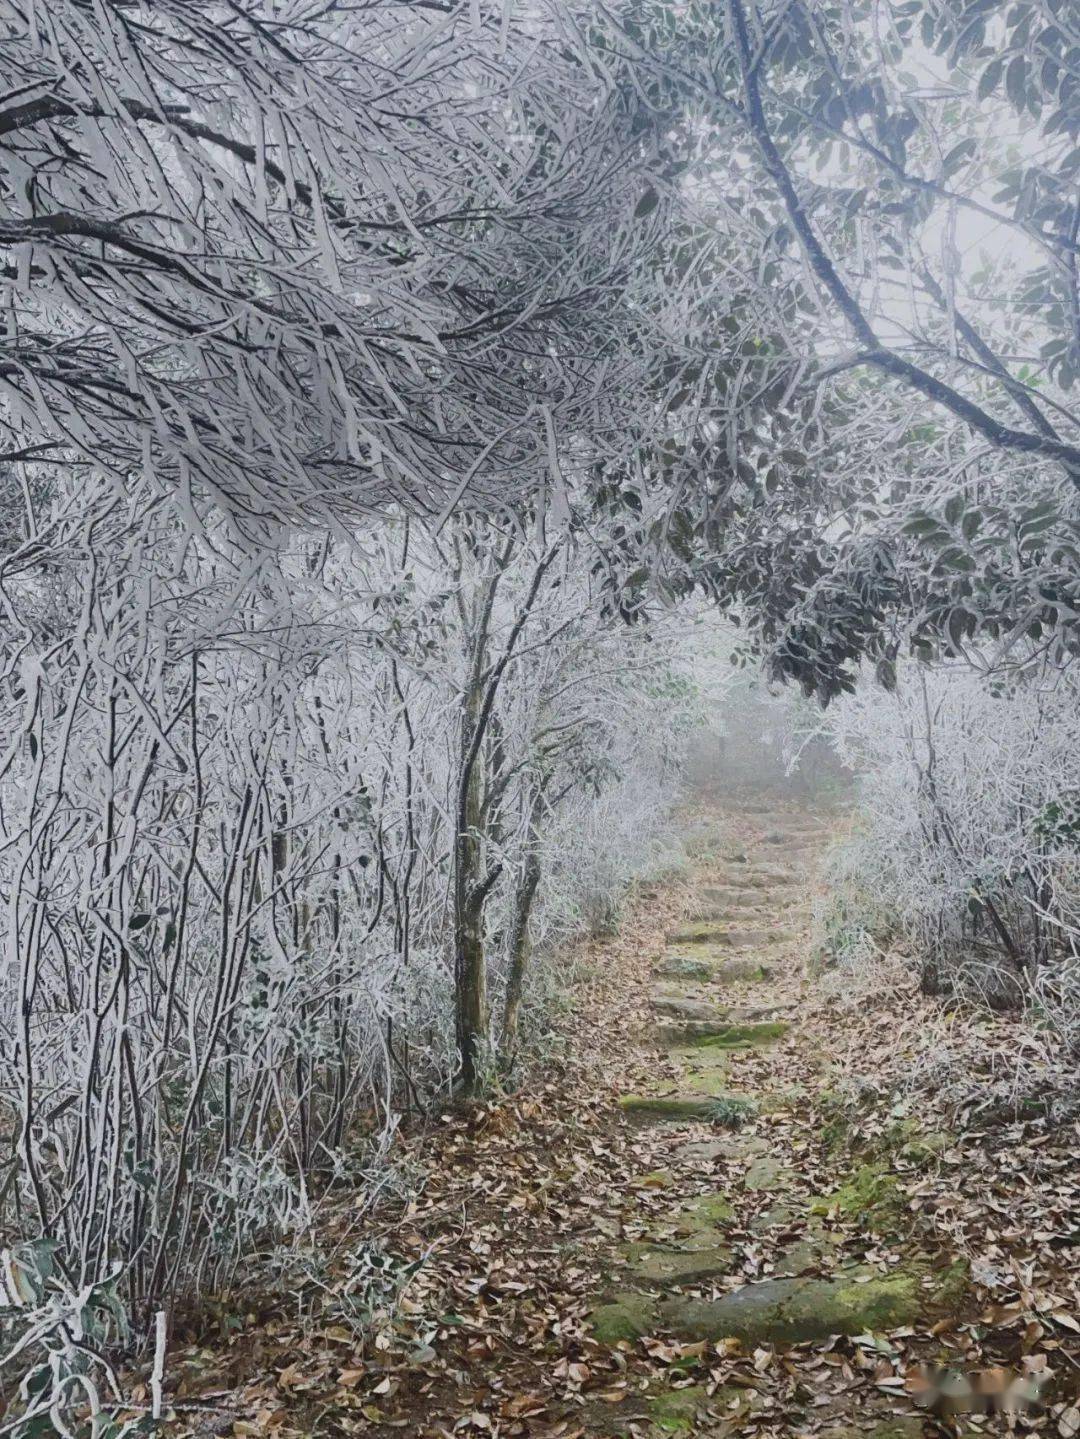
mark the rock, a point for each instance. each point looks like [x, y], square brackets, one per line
[699, 1151]
[656, 1179]
[656, 1264]
[740, 971]
[731, 894]
[691, 1010]
[680, 966]
[772, 1217]
[710, 1079]
[797, 1258]
[741, 1036]
[755, 1014]
[872, 1195]
[707, 932]
[762, 877]
[705, 1212]
[698, 932]
[670, 1107]
[717, 914]
[722, 1033]
[676, 1411]
[778, 1311]
[626, 1316]
[767, 1173]
[792, 1311]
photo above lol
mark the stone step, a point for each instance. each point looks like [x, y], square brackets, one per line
[688, 1009]
[764, 877]
[732, 1036]
[684, 966]
[707, 932]
[777, 1311]
[662, 1267]
[721, 1110]
[702, 1011]
[749, 896]
[673, 1108]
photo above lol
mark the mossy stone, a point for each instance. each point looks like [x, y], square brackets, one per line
[711, 1080]
[740, 971]
[771, 1218]
[686, 1031]
[900, 1426]
[706, 931]
[675, 1411]
[656, 1264]
[680, 966]
[625, 1317]
[741, 1036]
[690, 1011]
[667, 1107]
[767, 1174]
[793, 1311]
[872, 1194]
[706, 1211]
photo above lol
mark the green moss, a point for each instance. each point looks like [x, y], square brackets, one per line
[675, 1411]
[741, 1036]
[871, 1194]
[708, 1210]
[793, 1311]
[626, 1317]
[950, 1287]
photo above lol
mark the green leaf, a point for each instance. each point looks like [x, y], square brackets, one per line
[957, 156]
[647, 204]
[1016, 81]
[990, 78]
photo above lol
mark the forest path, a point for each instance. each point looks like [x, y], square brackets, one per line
[672, 1229]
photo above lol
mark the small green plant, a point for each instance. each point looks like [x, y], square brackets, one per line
[58, 1337]
[731, 1112]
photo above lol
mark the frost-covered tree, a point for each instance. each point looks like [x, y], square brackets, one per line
[294, 261]
[884, 193]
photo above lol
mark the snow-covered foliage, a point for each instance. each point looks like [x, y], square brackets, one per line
[882, 195]
[230, 858]
[294, 260]
[967, 839]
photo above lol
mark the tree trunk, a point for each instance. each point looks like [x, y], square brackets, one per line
[470, 974]
[519, 959]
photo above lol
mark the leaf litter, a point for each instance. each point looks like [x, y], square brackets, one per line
[522, 1207]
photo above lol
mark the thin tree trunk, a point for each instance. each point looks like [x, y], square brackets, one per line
[519, 959]
[470, 973]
